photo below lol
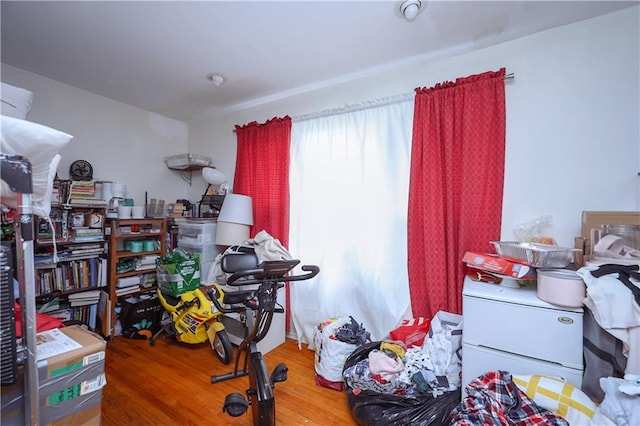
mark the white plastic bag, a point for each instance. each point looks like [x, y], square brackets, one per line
[444, 347]
[331, 353]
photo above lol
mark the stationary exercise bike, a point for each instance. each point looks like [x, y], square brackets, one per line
[258, 306]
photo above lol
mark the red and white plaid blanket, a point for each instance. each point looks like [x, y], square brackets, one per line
[493, 399]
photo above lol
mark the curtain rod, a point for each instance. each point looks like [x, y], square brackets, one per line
[355, 107]
[368, 104]
[364, 105]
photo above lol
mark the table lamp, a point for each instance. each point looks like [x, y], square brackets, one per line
[213, 177]
[235, 220]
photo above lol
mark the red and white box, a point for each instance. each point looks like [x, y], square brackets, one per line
[496, 264]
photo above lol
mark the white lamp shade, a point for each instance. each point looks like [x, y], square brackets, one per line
[236, 208]
[213, 176]
[229, 234]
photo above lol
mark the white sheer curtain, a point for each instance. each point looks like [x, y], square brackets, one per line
[349, 181]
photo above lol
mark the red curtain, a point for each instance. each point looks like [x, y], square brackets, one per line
[456, 182]
[262, 172]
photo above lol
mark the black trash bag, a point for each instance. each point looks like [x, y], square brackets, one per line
[371, 408]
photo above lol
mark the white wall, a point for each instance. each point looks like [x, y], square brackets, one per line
[573, 139]
[123, 144]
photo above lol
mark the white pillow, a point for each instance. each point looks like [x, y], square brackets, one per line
[558, 396]
[16, 102]
[40, 145]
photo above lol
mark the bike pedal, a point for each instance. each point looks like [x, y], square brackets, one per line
[279, 373]
[235, 404]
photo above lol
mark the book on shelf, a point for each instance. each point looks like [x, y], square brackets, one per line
[93, 316]
[87, 202]
[41, 258]
[48, 239]
[103, 323]
[87, 235]
[128, 281]
[102, 272]
[86, 251]
[73, 274]
[149, 259]
[84, 298]
[127, 290]
[84, 230]
[86, 238]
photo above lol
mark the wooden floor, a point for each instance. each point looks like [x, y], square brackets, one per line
[170, 384]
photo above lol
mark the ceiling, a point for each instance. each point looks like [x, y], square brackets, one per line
[157, 55]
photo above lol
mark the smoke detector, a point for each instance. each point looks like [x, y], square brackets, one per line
[410, 9]
[216, 79]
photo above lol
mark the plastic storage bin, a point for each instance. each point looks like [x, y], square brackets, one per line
[199, 236]
[195, 232]
[207, 253]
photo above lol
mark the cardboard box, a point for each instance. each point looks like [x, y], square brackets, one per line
[176, 278]
[593, 219]
[70, 380]
[499, 265]
[581, 257]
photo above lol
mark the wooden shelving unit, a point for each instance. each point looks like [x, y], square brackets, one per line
[123, 234]
[77, 264]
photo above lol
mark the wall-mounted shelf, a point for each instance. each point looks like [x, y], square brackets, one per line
[187, 163]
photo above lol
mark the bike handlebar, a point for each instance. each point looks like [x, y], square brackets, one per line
[260, 276]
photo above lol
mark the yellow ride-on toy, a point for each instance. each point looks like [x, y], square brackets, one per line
[193, 318]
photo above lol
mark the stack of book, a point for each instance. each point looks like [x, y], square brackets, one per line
[86, 249]
[83, 193]
[177, 209]
[84, 298]
[81, 234]
[128, 285]
[146, 262]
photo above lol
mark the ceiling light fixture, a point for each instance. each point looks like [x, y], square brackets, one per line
[410, 9]
[216, 79]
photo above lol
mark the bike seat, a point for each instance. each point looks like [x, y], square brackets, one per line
[237, 297]
[235, 262]
[171, 300]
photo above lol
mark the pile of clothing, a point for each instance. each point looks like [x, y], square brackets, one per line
[434, 367]
[387, 384]
[390, 368]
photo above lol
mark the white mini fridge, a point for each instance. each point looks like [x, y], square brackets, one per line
[510, 329]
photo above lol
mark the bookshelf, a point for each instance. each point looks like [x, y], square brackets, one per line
[70, 261]
[134, 246]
